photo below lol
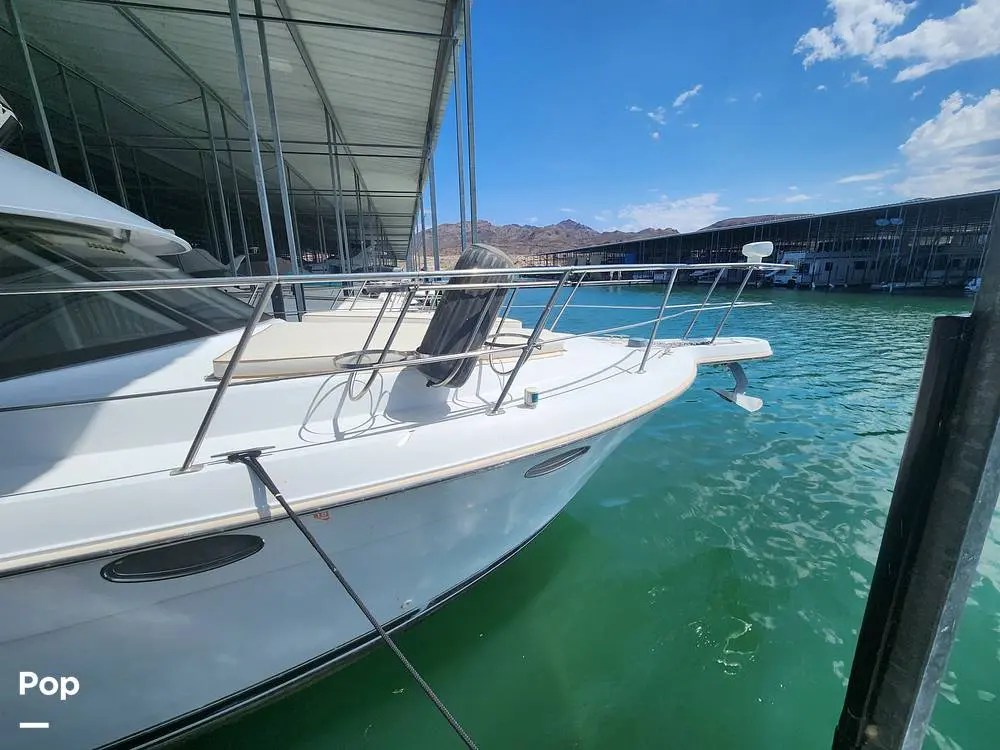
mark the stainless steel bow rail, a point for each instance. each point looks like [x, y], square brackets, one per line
[405, 286]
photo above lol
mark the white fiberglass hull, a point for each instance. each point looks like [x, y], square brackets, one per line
[160, 657]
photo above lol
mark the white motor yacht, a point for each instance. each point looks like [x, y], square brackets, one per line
[147, 417]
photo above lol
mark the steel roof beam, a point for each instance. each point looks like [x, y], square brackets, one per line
[36, 94]
[234, 139]
[176, 59]
[310, 67]
[160, 7]
[283, 150]
[448, 32]
[70, 67]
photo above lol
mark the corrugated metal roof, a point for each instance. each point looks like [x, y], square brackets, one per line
[382, 88]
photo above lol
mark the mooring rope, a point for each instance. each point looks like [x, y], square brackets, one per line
[249, 459]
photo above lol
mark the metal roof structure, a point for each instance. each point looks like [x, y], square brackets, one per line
[888, 209]
[933, 243]
[348, 95]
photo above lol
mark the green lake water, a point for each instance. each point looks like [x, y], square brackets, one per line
[704, 589]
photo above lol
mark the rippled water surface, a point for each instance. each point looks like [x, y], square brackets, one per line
[704, 589]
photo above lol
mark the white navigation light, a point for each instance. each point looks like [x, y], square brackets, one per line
[755, 252]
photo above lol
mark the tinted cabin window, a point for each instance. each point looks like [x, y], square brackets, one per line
[45, 331]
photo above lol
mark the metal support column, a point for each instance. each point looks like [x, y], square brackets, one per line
[434, 217]
[470, 121]
[423, 231]
[286, 208]
[236, 189]
[277, 301]
[80, 143]
[942, 505]
[295, 219]
[338, 207]
[138, 182]
[115, 164]
[227, 231]
[362, 224]
[213, 229]
[458, 138]
[36, 94]
[376, 259]
[320, 233]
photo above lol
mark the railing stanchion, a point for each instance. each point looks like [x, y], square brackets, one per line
[378, 321]
[656, 323]
[358, 293]
[227, 376]
[529, 347]
[388, 343]
[704, 302]
[732, 304]
[503, 318]
[568, 300]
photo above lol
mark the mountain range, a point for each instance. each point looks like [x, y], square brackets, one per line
[525, 239]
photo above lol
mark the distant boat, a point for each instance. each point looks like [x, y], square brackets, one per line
[973, 286]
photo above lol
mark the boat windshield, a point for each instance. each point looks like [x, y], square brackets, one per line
[45, 331]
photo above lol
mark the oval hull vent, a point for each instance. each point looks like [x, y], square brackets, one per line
[182, 559]
[555, 463]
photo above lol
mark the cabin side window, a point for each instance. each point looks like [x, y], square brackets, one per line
[46, 331]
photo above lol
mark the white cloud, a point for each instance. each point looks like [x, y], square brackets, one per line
[858, 28]
[731, 100]
[821, 87]
[568, 210]
[759, 200]
[758, 96]
[971, 33]
[866, 177]
[793, 188]
[531, 220]
[603, 216]
[695, 124]
[864, 28]
[957, 151]
[856, 77]
[798, 198]
[876, 188]
[658, 115]
[634, 108]
[684, 214]
[917, 93]
[655, 135]
[685, 95]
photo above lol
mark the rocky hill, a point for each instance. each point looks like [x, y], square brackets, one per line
[524, 239]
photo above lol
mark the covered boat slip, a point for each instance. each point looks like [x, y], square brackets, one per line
[269, 129]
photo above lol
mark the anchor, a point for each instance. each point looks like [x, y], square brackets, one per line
[738, 395]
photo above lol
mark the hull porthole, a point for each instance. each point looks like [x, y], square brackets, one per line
[182, 559]
[556, 462]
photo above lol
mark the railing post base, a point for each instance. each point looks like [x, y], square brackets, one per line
[189, 470]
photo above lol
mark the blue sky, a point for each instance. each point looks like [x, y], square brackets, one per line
[790, 106]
